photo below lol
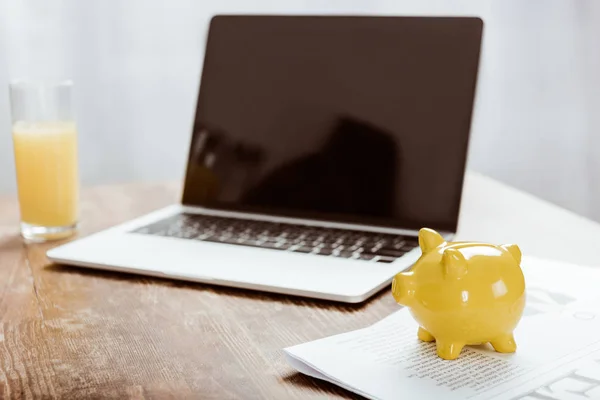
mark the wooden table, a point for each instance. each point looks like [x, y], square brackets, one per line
[74, 333]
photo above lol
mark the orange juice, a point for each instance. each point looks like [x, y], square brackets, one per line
[47, 177]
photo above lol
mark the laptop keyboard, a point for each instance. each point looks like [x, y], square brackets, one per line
[358, 245]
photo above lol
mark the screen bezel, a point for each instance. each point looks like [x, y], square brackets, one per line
[395, 223]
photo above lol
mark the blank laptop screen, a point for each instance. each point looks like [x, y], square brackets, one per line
[349, 119]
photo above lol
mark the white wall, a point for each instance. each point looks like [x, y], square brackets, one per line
[539, 91]
[136, 65]
[6, 158]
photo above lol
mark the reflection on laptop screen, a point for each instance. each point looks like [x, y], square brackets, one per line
[350, 119]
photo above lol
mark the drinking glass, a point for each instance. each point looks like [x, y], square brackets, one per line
[45, 148]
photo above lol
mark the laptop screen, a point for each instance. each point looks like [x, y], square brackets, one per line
[347, 119]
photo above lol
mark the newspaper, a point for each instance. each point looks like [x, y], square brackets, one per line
[558, 354]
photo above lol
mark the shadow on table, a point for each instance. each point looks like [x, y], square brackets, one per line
[11, 242]
[219, 290]
[327, 389]
[15, 241]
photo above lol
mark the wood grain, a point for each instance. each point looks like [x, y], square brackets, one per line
[74, 333]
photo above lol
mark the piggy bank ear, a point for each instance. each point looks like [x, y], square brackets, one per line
[429, 239]
[454, 263]
[514, 250]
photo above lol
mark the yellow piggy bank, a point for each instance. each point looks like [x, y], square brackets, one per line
[463, 293]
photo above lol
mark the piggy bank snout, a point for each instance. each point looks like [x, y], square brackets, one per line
[402, 288]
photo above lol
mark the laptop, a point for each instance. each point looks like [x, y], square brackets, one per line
[320, 146]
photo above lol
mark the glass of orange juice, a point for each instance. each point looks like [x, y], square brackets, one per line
[45, 146]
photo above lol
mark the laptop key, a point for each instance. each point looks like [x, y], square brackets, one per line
[412, 241]
[345, 254]
[270, 245]
[304, 249]
[384, 259]
[390, 252]
[398, 244]
[408, 247]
